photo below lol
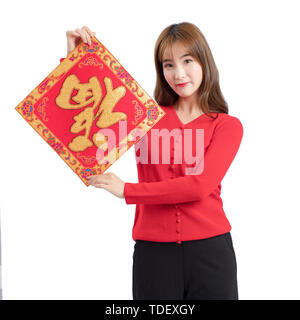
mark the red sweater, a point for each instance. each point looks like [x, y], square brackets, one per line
[171, 204]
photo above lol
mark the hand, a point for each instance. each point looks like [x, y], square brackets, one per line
[74, 38]
[108, 181]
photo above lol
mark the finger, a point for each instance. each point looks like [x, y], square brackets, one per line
[101, 181]
[92, 180]
[90, 33]
[73, 34]
[88, 30]
[100, 185]
[76, 33]
[88, 37]
[98, 179]
[93, 184]
[82, 35]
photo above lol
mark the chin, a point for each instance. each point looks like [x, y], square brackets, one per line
[185, 95]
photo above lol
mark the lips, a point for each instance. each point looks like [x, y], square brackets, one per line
[182, 84]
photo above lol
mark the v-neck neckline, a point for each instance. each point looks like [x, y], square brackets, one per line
[185, 124]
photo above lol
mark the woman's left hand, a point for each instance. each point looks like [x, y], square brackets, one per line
[108, 181]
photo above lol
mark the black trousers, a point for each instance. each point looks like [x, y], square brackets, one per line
[198, 269]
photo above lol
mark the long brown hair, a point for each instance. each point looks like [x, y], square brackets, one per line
[210, 97]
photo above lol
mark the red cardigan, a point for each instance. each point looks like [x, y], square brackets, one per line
[172, 205]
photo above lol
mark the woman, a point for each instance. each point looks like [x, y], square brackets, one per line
[183, 246]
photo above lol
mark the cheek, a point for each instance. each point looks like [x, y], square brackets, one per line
[197, 75]
[168, 77]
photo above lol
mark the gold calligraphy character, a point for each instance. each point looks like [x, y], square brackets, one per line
[88, 93]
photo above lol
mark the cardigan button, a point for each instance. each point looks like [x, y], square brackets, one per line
[178, 241]
[178, 220]
[178, 231]
[177, 214]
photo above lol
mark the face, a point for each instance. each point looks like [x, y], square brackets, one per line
[183, 69]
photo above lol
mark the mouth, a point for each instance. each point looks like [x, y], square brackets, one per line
[182, 84]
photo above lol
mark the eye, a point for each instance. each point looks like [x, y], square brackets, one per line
[168, 64]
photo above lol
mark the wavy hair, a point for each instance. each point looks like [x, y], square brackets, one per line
[209, 95]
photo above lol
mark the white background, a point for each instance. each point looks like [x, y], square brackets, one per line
[62, 240]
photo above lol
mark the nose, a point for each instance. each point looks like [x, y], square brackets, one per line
[179, 73]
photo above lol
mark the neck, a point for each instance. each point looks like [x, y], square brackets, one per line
[186, 106]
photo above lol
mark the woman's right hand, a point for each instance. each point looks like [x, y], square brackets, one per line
[74, 38]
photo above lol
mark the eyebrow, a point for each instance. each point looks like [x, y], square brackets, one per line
[187, 54]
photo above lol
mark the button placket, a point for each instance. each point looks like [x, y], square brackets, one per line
[172, 169]
[178, 221]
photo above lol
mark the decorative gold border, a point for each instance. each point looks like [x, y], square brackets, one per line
[25, 108]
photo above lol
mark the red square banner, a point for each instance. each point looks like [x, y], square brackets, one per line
[90, 110]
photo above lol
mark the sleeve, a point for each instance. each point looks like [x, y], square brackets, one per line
[219, 155]
[61, 60]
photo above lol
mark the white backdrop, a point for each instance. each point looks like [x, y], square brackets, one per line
[62, 240]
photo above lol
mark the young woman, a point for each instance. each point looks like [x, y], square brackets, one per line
[183, 246]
